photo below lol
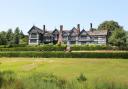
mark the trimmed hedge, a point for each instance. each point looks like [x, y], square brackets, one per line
[90, 47]
[66, 54]
[57, 48]
[35, 48]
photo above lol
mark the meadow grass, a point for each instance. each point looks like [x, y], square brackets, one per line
[111, 73]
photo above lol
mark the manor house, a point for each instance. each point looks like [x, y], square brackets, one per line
[72, 36]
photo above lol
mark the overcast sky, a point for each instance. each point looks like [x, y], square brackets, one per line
[26, 13]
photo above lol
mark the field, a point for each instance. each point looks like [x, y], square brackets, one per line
[98, 73]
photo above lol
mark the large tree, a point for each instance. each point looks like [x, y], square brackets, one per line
[3, 40]
[118, 38]
[17, 36]
[9, 37]
[109, 25]
[22, 34]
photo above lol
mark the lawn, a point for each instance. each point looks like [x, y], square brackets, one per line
[113, 70]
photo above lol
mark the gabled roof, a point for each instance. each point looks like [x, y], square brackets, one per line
[56, 31]
[35, 29]
[65, 32]
[98, 33]
[81, 33]
[73, 32]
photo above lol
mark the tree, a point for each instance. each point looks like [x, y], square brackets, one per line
[22, 34]
[3, 40]
[109, 25]
[118, 38]
[17, 36]
[24, 40]
[127, 39]
[9, 37]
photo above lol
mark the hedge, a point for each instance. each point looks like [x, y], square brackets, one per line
[90, 47]
[35, 48]
[57, 48]
[66, 54]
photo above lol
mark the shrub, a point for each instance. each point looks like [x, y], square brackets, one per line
[82, 78]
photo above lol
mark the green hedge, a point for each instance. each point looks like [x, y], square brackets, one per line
[66, 55]
[90, 47]
[57, 48]
[35, 48]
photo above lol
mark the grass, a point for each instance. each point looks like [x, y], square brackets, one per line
[98, 72]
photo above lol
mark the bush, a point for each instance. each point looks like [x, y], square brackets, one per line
[82, 78]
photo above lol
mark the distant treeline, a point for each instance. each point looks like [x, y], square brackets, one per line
[10, 37]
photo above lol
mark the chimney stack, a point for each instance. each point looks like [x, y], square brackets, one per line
[78, 28]
[60, 41]
[91, 25]
[91, 29]
[44, 28]
[61, 28]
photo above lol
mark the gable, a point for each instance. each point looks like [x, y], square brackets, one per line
[73, 32]
[55, 32]
[83, 33]
[35, 29]
[64, 33]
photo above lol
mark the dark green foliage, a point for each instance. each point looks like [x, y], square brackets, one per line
[17, 36]
[21, 34]
[109, 25]
[65, 55]
[23, 47]
[90, 47]
[3, 40]
[82, 78]
[118, 38]
[9, 37]
[53, 48]
[116, 33]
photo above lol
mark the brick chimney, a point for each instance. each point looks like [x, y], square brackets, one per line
[60, 40]
[78, 28]
[44, 28]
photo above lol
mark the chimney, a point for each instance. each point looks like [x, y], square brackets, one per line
[78, 28]
[44, 28]
[60, 39]
[91, 29]
[61, 28]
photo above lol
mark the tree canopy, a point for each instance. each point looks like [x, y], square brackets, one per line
[109, 25]
[118, 38]
[10, 37]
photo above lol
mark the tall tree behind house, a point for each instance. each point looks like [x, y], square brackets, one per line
[17, 36]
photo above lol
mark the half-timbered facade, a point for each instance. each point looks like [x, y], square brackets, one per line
[73, 36]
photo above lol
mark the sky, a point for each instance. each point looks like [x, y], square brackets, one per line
[53, 13]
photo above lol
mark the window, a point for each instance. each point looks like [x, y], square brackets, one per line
[33, 41]
[33, 35]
